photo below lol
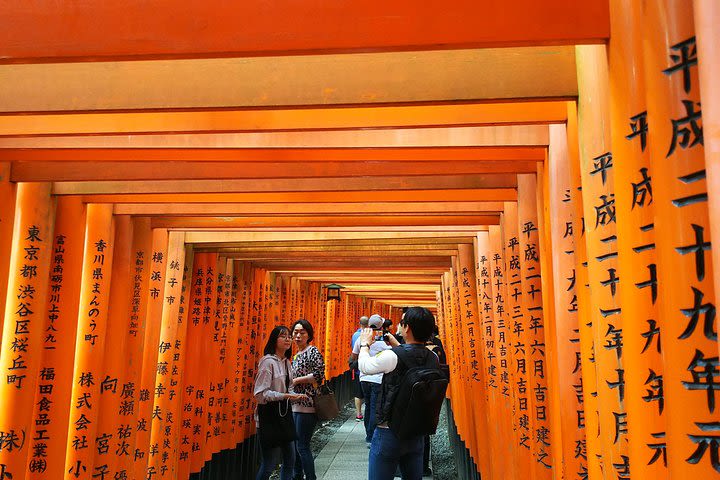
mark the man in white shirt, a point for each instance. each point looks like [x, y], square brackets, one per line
[370, 383]
[386, 450]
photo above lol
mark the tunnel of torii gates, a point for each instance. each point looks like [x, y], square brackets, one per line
[541, 182]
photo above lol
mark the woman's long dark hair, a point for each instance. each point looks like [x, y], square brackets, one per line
[272, 341]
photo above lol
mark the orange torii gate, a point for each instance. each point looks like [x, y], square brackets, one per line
[565, 246]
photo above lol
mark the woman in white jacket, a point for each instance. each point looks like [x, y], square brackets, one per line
[273, 396]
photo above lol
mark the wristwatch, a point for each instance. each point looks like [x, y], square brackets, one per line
[364, 345]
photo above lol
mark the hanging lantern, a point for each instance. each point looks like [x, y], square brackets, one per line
[333, 291]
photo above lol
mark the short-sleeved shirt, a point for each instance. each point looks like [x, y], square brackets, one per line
[355, 336]
[377, 347]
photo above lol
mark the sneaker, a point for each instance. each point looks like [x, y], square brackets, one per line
[358, 418]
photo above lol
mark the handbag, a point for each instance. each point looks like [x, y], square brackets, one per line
[276, 422]
[326, 407]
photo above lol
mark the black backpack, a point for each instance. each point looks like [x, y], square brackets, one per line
[416, 408]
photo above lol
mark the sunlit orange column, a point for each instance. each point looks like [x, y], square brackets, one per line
[165, 393]
[153, 309]
[483, 356]
[193, 389]
[244, 343]
[451, 342]
[707, 18]
[136, 327]
[329, 323]
[515, 409]
[547, 252]
[231, 408]
[497, 353]
[598, 192]
[461, 408]
[533, 311]
[111, 426]
[215, 281]
[22, 339]
[7, 199]
[590, 449]
[472, 339]
[52, 398]
[225, 357]
[564, 289]
[88, 379]
[686, 300]
[642, 359]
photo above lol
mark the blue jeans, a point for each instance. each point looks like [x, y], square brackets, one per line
[387, 452]
[371, 392]
[304, 462]
[272, 456]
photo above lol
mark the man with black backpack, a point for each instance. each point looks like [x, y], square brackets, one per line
[412, 391]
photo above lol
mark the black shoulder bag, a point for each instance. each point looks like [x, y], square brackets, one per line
[276, 421]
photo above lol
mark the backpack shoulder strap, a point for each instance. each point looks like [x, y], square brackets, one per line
[411, 356]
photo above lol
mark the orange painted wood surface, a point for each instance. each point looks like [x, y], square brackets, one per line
[22, 339]
[707, 16]
[682, 238]
[199, 29]
[53, 398]
[643, 361]
[153, 315]
[112, 450]
[7, 197]
[92, 327]
[569, 384]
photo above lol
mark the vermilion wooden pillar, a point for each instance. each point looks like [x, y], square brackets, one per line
[22, 339]
[244, 344]
[229, 316]
[153, 309]
[178, 364]
[52, 400]
[112, 425]
[516, 330]
[642, 358]
[7, 198]
[193, 397]
[564, 289]
[471, 337]
[163, 447]
[590, 450]
[686, 299]
[533, 310]
[136, 327]
[707, 18]
[599, 204]
[88, 379]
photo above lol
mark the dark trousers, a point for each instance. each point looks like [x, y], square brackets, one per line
[426, 453]
[387, 452]
[304, 461]
[272, 456]
[371, 392]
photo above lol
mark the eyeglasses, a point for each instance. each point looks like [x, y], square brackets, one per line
[284, 335]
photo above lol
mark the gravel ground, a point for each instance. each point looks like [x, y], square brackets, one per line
[443, 463]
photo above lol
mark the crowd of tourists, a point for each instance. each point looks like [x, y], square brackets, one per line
[400, 378]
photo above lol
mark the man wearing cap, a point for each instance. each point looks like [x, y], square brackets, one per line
[371, 383]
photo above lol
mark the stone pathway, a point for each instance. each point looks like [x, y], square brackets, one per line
[345, 455]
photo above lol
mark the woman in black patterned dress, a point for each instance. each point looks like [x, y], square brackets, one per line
[308, 372]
